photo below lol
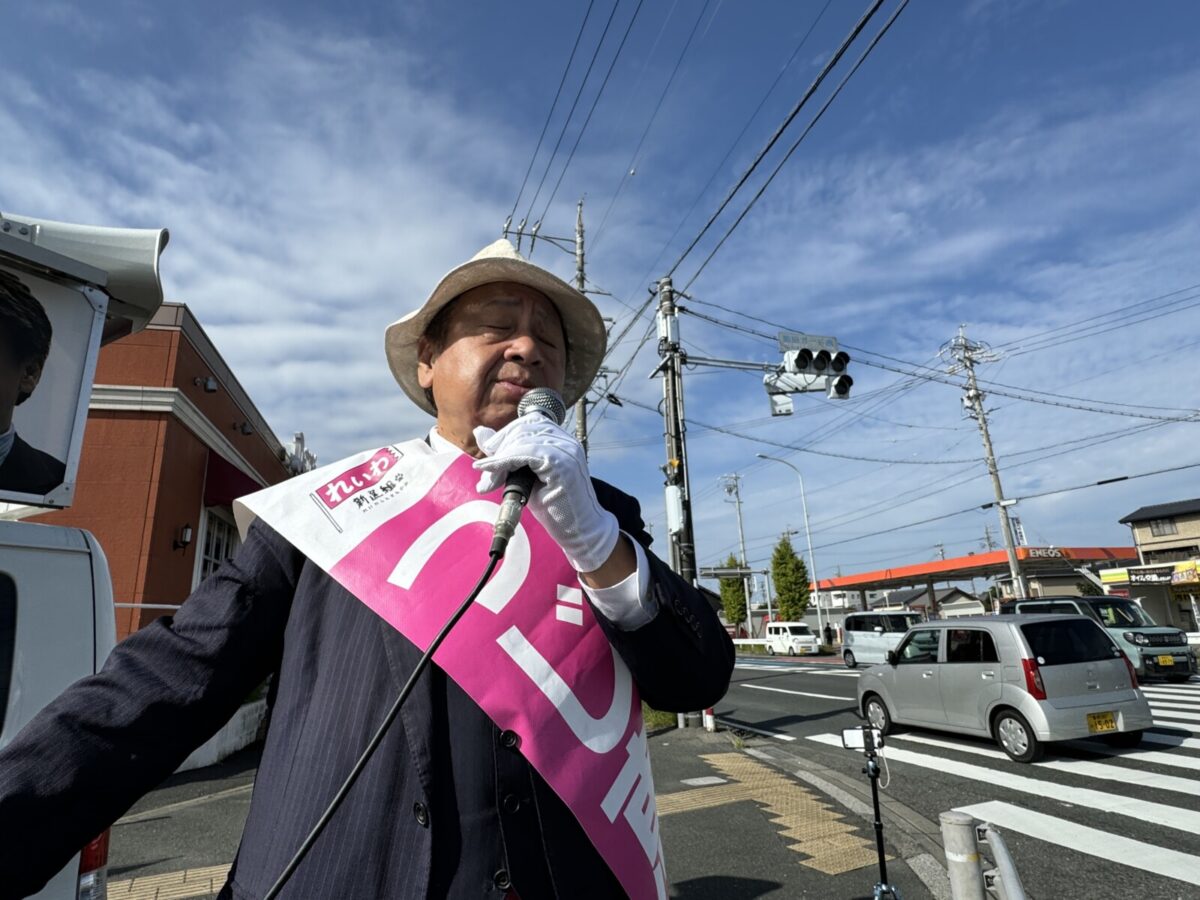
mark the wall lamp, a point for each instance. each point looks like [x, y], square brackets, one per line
[185, 537]
[209, 384]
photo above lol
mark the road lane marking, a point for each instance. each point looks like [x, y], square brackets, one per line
[1110, 847]
[1083, 767]
[778, 690]
[1174, 714]
[1178, 726]
[741, 727]
[1157, 757]
[1175, 817]
[1155, 703]
[1171, 740]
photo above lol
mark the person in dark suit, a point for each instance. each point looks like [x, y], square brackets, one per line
[447, 807]
[25, 333]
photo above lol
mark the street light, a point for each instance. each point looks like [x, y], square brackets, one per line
[812, 563]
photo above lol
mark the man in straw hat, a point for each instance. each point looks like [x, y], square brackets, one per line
[476, 790]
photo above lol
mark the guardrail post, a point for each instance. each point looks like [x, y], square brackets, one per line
[1004, 881]
[962, 856]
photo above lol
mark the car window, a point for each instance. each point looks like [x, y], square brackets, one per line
[800, 630]
[897, 623]
[970, 645]
[8, 638]
[920, 647]
[1068, 641]
[1121, 614]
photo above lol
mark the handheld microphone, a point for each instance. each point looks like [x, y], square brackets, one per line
[519, 483]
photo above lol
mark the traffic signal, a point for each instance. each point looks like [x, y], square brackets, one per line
[811, 362]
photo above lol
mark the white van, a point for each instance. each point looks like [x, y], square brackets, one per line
[790, 638]
[868, 636]
[56, 626]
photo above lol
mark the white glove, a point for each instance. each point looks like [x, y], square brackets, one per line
[564, 503]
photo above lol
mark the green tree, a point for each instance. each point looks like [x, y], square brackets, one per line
[733, 595]
[1087, 589]
[791, 581]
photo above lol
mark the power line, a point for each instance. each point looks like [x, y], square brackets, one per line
[595, 101]
[821, 112]
[571, 112]
[550, 115]
[646, 131]
[833, 61]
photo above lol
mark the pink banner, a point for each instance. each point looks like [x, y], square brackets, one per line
[529, 652]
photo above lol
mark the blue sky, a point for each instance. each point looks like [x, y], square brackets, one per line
[1011, 166]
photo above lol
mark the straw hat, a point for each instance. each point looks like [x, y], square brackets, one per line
[586, 337]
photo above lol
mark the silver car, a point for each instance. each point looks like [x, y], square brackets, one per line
[1021, 679]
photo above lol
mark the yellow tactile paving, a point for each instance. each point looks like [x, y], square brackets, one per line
[171, 885]
[816, 830]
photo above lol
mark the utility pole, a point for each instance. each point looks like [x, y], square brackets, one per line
[941, 550]
[731, 483]
[678, 491]
[987, 538]
[967, 353]
[580, 285]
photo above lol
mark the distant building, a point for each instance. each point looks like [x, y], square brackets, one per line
[172, 439]
[1167, 537]
[950, 602]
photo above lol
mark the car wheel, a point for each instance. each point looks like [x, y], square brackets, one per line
[877, 715]
[770, 650]
[849, 659]
[1179, 679]
[1126, 739]
[1016, 738]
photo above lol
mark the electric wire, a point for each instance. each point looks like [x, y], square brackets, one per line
[550, 115]
[571, 112]
[595, 101]
[795, 111]
[653, 116]
[807, 130]
[737, 140]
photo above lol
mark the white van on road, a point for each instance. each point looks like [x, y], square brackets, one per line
[868, 636]
[56, 625]
[790, 638]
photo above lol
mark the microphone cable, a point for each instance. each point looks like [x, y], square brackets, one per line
[422, 664]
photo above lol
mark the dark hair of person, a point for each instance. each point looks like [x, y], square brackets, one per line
[25, 329]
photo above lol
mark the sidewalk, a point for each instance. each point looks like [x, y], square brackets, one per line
[738, 822]
[737, 825]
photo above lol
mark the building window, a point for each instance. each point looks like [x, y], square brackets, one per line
[1163, 527]
[220, 541]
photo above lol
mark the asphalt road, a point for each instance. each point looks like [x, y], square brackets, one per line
[1086, 822]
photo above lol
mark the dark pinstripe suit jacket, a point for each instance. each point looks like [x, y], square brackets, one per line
[403, 831]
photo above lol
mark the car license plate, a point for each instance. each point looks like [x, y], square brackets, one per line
[1166, 661]
[1098, 723]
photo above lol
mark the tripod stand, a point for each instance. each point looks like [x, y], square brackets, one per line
[883, 890]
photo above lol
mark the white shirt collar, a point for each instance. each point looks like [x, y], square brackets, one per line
[440, 444]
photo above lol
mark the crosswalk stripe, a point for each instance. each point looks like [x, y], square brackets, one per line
[1168, 713]
[1102, 771]
[1171, 740]
[1155, 703]
[1178, 726]
[1175, 817]
[763, 687]
[1092, 841]
[1155, 757]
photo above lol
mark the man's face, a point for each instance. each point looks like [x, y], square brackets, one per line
[501, 340]
[16, 378]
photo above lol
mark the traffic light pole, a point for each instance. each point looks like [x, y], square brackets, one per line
[733, 487]
[679, 506]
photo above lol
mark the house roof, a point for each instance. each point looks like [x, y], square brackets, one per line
[910, 595]
[1162, 511]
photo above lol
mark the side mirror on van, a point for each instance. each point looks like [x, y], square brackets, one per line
[892, 658]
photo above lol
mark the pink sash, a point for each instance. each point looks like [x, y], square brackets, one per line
[529, 651]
